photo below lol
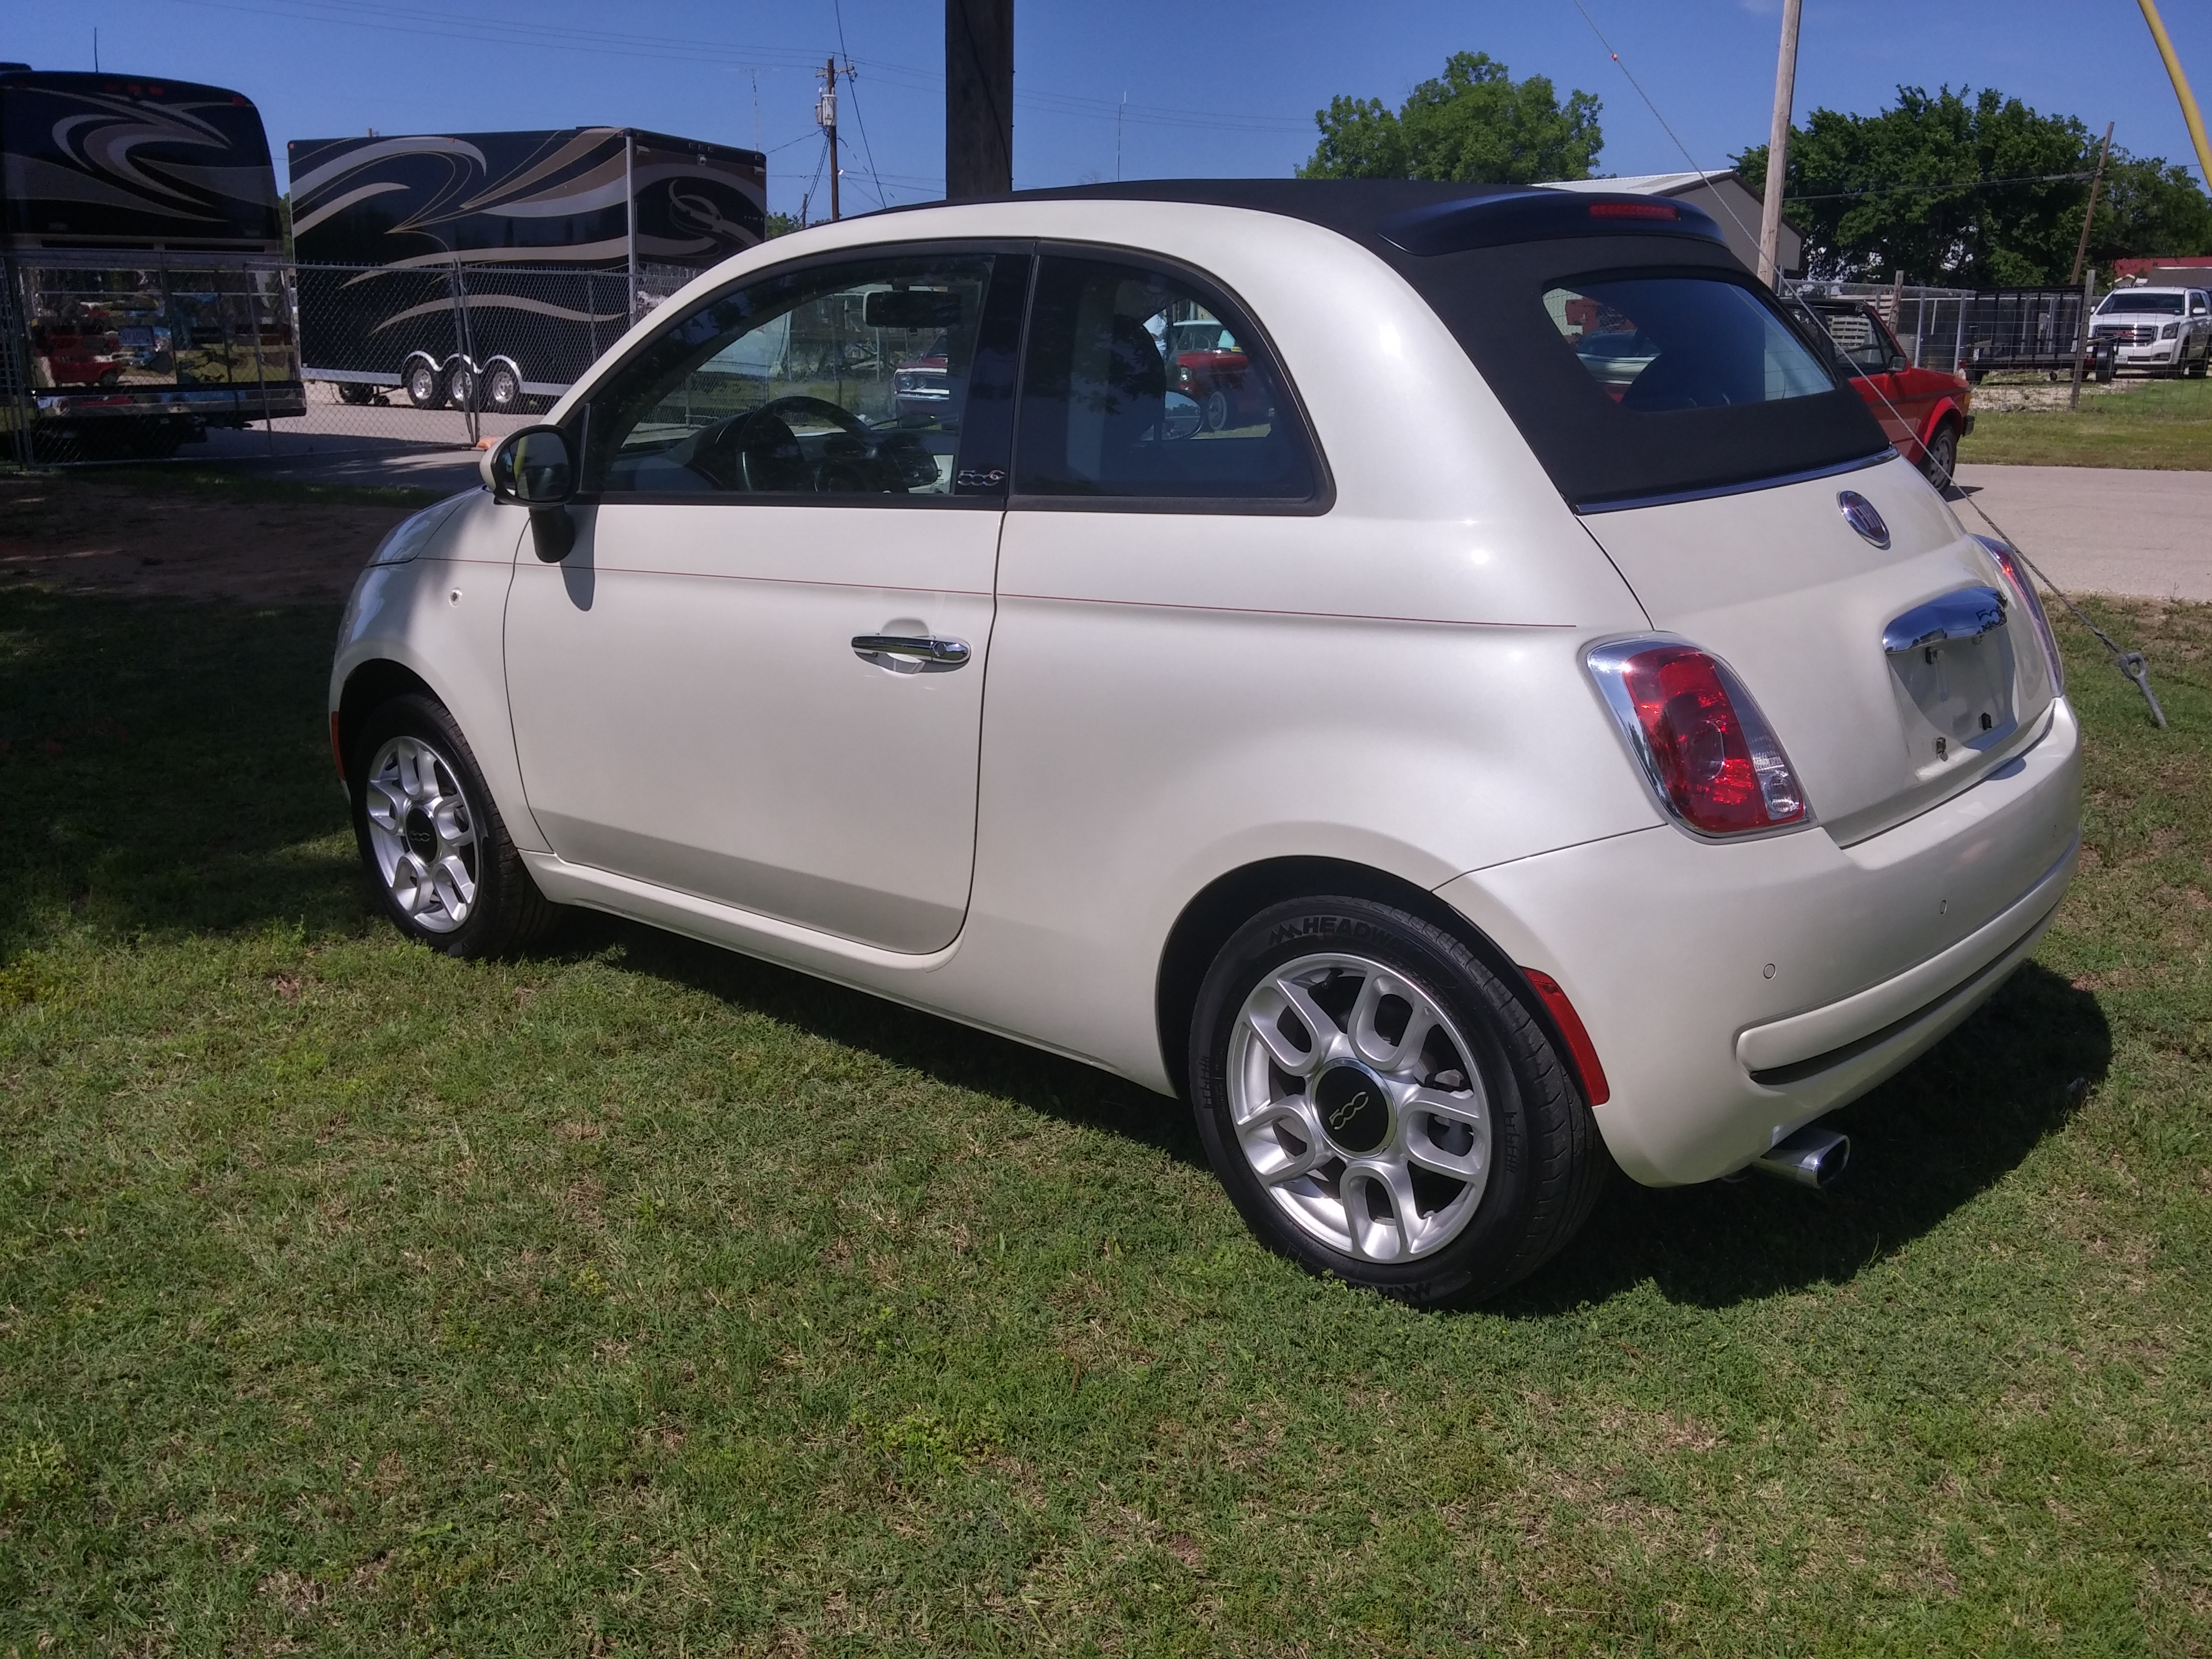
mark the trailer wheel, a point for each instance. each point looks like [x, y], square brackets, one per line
[461, 386]
[503, 389]
[350, 393]
[423, 390]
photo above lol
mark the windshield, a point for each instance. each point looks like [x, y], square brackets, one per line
[1657, 344]
[2158, 305]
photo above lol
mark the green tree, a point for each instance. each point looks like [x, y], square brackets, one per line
[1475, 124]
[1972, 190]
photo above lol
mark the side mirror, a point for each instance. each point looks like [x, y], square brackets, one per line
[533, 466]
[1898, 363]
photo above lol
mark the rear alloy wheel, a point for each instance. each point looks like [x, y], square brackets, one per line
[1382, 1107]
[1940, 460]
[503, 389]
[423, 390]
[432, 841]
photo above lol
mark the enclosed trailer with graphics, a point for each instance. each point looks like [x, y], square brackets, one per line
[485, 269]
[147, 295]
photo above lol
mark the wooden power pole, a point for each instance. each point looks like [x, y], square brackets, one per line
[825, 114]
[2081, 248]
[1777, 146]
[979, 98]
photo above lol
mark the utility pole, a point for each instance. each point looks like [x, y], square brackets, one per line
[1777, 145]
[2081, 340]
[825, 114]
[2082, 248]
[979, 98]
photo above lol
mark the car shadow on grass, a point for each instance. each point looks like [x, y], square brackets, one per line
[938, 1047]
[1924, 1144]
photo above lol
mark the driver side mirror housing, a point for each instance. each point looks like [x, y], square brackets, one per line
[537, 468]
[1898, 363]
[534, 466]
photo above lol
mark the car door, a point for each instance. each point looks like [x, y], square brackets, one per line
[757, 678]
[1867, 345]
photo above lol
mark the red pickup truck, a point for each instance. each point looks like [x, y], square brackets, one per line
[1925, 411]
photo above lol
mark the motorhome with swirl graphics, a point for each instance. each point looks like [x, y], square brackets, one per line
[147, 295]
[490, 270]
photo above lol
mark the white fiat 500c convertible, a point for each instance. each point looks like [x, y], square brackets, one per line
[1544, 726]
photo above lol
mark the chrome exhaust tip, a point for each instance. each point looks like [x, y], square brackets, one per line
[1812, 1156]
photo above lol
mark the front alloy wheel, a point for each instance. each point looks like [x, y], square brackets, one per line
[423, 834]
[431, 837]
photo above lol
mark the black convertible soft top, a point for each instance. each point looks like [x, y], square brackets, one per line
[1482, 256]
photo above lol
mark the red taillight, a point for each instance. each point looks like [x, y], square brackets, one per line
[2024, 590]
[1634, 211]
[1595, 1090]
[1708, 753]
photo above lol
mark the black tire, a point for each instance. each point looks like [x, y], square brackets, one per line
[502, 389]
[1217, 409]
[424, 385]
[461, 386]
[350, 393]
[506, 912]
[1547, 1165]
[1941, 459]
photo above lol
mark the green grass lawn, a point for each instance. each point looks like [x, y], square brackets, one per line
[2165, 425]
[636, 1298]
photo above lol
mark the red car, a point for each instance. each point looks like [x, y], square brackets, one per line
[1211, 370]
[1925, 411]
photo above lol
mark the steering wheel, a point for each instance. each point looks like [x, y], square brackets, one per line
[759, 452]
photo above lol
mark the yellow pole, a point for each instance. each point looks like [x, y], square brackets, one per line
[2180, 90]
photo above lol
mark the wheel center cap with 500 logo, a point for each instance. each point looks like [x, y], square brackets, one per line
[421, 835]
[1354, 1108]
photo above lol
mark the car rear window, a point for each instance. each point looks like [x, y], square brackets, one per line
[1647, 369]
[1657, 344]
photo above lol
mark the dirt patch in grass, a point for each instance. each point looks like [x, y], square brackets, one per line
[94, 536]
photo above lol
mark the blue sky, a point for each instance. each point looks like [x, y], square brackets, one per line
[1224, 90]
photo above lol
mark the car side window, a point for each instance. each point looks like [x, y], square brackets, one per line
[1144, 384]
[1860, 339]
[848, 380]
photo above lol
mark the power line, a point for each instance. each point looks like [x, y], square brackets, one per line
[1957, 189]
[852, 80]
[403, 20]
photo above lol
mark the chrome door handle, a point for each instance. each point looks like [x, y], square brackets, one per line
[909, 654]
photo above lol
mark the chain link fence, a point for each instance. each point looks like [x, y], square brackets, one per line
[260, 359]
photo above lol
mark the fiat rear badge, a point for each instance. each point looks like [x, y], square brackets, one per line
[1859, 514]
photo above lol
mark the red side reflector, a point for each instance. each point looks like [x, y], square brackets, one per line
[1634, 211]
[1580, 1049]
[338, 748]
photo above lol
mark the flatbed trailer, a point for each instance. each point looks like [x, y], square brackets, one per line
[2030, 329]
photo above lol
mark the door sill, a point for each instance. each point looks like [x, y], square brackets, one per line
[724, 925]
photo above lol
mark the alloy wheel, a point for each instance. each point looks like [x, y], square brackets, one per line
[1357, 1103]
[422, 833]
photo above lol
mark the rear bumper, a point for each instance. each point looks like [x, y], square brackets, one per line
[1735, 993]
